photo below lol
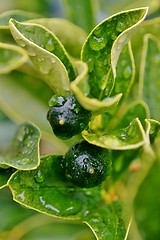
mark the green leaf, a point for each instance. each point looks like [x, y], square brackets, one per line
[153, 129]
[46, 53]
[11, 57]
[19, 15]
[150, 73]
[44, 190]
[81, 89]
[125, 72]
[136, 109]
[23, 151]
[103, 47]
[107, 223]
[130, 137]
[81, 13]
[71, 36]
[147, 205]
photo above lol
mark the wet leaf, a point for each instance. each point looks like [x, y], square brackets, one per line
[46, 53]
[23, 151]
[153, 129]
[136, 109]
[150, 75]
[147, 205]
[45, 189]
[103, 47]
[130, 137]
[18, 15]
[71, 36]
[11, 57]
[107, 223]
[80, 88]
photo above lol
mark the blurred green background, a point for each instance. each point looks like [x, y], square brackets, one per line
[17, 222]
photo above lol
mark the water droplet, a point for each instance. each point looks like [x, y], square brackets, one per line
[51, 207]
[120, 26]
[53, 60]
[97, 43]
[24, 161]
[127, 72]
[21, 134]
[113, 36]
[98, 32]
[123, 62]
[22, 43]
[21, 197]
[40, 58]
[156, 58]
[90, 64]
[41, 200]
[49, 45]
[39, 176]
[31, 52]
[29, 29]
[29, 143]
[45, 68]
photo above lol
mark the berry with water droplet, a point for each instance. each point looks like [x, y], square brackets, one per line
[87, 165]
[67, 117]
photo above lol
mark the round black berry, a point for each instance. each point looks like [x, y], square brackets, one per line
[67, 117]
[87, 165]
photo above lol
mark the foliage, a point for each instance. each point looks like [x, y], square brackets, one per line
[113, 72]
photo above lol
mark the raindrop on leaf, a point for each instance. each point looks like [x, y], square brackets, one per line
[39, 177]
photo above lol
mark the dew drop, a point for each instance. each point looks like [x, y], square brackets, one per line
[29, 29]
[53, 60]
[90, 64]
[156, 58]
[98, 32]
[113, 36]
[21, 134]
[31, 52]
[97, 43]
[22, 43]
[21, 196]
[127, 72]
[120, 26]
[39, 176]
[40, 58]
[24, 161]
[49, 45]
[44, 68]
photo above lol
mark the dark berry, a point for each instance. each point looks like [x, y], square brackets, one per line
[67, 117]
[87, 165]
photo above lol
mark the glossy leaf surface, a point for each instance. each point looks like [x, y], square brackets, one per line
[44, 190]
[80, 88]
[71, 36]
[45, 52]
[130, 137]
[23, 151]
[103, 46]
